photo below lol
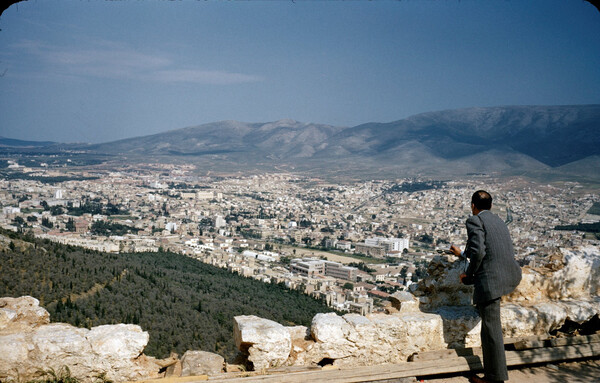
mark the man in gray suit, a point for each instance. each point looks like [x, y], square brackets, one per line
[494, 272]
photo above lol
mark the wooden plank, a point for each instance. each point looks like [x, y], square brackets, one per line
[424, 368]
[452, 353]
[552, 354]
[178, 379]
[444, 354]
[521, 338]
[572, 340]
[289, 369]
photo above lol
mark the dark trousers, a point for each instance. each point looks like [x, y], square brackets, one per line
[492, 344]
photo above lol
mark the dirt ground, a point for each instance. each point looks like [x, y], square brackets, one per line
[304, 252]
[572, 372]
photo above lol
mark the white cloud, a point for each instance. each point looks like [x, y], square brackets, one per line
[115, 61]
[204, 77]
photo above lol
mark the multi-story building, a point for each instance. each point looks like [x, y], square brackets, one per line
[390, 244]
[307, 267]
[310, 268]
[339, 271]
[370, 250]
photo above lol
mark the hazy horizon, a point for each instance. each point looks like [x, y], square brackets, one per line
[103, 71]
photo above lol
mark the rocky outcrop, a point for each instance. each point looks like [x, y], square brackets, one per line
[572, 274]
[568, 275]
[353, 340]
[441, 287]
[196, 363]
[21, 313]
[267, 343]
[404, 302]
[439, 314]
[30, 344]
[564, 289]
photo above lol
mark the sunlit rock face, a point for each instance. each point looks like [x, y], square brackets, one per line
[565, 288]
[571, 274]
[355, 340]
[196, 363]
[441, 286]
[568, 275]
[21, 313]
[268, 343]
[439, 314]
[29, 344]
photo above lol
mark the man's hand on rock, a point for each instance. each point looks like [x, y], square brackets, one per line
[455, 250]
[462, 277]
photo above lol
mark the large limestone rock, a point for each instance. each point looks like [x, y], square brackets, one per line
[120, 341]
[14, 351]
[268, 343]
[518, 321]
[332, 334]
[30, 344]
[564, 289]
[302, 342]
[17, 314]
[442, 286]
[462, 326]
[571, 274]
[196, 363]
[357, 340]
[60, 344]
[404, 302]
[550, 317]
[348, 340]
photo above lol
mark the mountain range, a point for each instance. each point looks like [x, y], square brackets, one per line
[496, 140]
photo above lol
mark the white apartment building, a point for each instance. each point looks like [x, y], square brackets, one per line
[390, 244]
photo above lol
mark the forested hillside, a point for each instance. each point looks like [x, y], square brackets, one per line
[184, 304]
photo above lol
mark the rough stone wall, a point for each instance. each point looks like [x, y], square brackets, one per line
[30, 343]
[438, 314]
[349, 340]
[565, 288]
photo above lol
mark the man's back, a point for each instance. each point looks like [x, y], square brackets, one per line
[497, 273]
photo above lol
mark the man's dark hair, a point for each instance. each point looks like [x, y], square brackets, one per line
[482, 200]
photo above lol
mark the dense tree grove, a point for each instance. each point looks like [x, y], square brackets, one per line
[184, 304]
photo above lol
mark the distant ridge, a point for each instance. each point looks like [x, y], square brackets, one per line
[490, 140]
[11, 142]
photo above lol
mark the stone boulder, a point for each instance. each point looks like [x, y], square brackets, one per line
[195, 363]
[564, 288]
[442, 287]
[21, 313]
[571, 274]
[267, 343]
[354, 340]
[580, 311]
[29, 344]
[462, 326]
[404, 302]
[120, 341]
[302, 342]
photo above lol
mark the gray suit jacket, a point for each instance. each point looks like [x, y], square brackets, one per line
[492, 270]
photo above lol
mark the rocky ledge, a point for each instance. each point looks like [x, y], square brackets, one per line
[30, 344]
[436, 314]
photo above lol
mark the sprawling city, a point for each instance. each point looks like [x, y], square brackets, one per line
[350, 244]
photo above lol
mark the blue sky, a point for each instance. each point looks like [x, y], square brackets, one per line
[98, 71]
